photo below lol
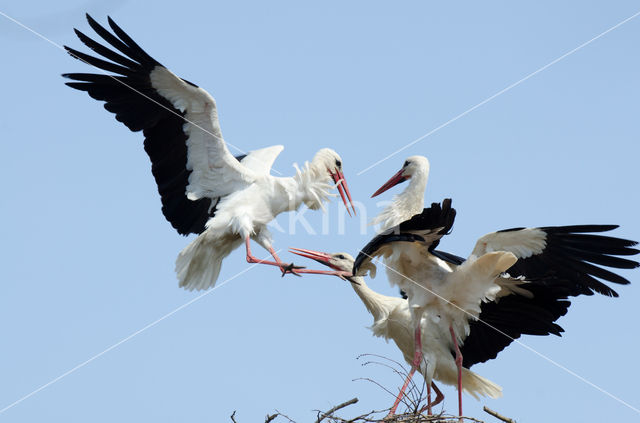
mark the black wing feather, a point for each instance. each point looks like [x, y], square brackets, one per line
[99, 63]
[568, 266]
[574, 254]
[437, 216]
[105, 52]
[131, 97]
[512, 316]
[448, 257]
[132, 45]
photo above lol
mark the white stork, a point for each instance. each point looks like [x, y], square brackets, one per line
[392, 321]
[205, 190]
[451, 290]
[416, 170]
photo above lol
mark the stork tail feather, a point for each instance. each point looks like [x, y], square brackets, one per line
[198, 264]
[476, 385]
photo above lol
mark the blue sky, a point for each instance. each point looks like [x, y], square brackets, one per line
[88, 258]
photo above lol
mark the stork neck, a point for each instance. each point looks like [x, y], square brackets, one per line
[312, 186]
[372, 300]
[413, 195]
[406, 204]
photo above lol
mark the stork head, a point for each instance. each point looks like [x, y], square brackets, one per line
[413, 167]
[328, 160]
[337, 261]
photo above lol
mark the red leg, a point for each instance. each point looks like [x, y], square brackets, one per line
[252, 259]
[428, 406]
[283, 266]
[438, 400]
[417, 359]
[459, 366]
[275, 256]
[286, 268]
[439, 395]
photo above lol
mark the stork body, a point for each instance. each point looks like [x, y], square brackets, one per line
[244, 215]
[204, 189]
[404, 260]
[437, 291]
[392, 320]
[545, 264]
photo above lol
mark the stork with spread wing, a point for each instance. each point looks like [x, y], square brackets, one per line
[453, 289]
[204, 189]
[460, 312]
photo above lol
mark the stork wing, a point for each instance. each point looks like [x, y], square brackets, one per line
[556, 264]
[571, 253]
[502, 321]
[521, 308]
[260, 161]
[426, 228]
[179, 121]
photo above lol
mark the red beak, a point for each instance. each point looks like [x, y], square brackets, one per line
[341, 184]
[395, 180]
[323, 258]
[318, 256]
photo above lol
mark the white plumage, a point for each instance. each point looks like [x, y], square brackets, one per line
[441, 294]
[525, 242]
[450, 290]
[246, 213]
[205, 190]
[449, 295]
[410, 202]
[392, 320]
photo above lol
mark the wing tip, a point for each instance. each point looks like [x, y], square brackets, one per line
[76, 54]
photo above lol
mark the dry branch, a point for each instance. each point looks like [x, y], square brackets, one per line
[336, 408]
[269, 418]
[412, 401]
[498, 415]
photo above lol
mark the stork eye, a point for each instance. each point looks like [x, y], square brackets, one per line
[406, 164]
[341, 257]
[338, 163]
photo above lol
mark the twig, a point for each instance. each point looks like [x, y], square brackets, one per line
[498, 415]
[233, 419]
[365, 416]
[336, 408]
[402, 373]
[285, 416]
[385, 358]
[414, 394]
[407, 418]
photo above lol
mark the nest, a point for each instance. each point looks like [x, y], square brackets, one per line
[411, 408]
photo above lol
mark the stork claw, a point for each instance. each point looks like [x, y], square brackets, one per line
[291, 268]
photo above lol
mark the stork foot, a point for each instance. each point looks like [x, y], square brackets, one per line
[290, 268]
